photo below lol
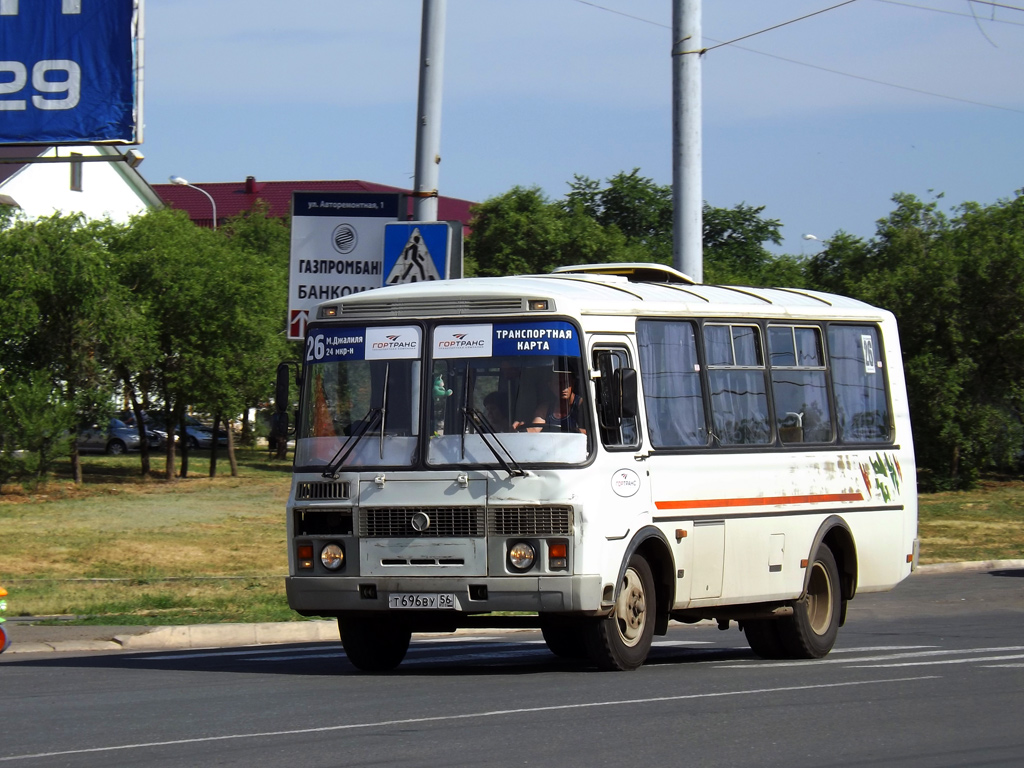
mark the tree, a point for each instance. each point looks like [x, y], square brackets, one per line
[36, 427]
[629, 218]
[734, 251]
[60, 271]
[956, 287]
[522, 232]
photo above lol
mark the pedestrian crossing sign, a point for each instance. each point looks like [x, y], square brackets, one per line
[416, 251]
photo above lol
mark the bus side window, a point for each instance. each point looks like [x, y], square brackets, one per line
[618, 430]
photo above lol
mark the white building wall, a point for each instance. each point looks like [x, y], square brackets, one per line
[109, 189]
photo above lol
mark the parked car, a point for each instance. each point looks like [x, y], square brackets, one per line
[197, 434]
[116, 438]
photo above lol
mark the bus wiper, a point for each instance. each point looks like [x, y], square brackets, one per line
[487, 433]
[384, 407]
[370, 420]
[373, 417]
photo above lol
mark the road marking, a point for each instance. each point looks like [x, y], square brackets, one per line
[866, 660]
[941, 661]
[465, 716]
[877, 648]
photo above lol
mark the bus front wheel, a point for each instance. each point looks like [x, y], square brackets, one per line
[811, 631]
[565, 637]
[373, 645]
[623, 640]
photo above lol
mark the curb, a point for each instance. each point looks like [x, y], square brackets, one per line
[194, 636]
[974, 565]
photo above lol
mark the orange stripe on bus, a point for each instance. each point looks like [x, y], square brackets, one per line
[760, 501]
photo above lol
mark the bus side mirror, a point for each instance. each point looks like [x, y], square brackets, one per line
[282, 388]
[629, 393]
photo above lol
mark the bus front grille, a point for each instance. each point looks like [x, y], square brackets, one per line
[531, 521]
[435, 522]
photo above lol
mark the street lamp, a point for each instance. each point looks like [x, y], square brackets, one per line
[184, 183]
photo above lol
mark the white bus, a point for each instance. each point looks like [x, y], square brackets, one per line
[597, 452]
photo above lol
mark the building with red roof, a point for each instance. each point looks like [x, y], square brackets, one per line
[232, 198]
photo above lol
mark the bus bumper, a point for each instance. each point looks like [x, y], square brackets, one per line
[331, 596]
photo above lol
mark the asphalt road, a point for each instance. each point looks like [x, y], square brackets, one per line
[931, 674]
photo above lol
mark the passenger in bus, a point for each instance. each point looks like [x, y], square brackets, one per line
[560, 409]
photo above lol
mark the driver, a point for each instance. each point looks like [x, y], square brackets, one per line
[560, 409]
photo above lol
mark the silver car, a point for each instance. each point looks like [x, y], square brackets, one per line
[116, 438]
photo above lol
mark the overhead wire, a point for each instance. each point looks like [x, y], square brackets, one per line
[732, 44]
[948, 12]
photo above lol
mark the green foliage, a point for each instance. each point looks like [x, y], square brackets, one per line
[36, 426]
[522, 232]
[956, 285]
[627, 219]
[168, 313]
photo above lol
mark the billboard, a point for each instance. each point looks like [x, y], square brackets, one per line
[337, 248]
[70, 71]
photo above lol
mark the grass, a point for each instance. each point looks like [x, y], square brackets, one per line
[986, 523]
[123, 549]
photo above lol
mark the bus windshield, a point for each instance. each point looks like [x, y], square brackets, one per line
[360, 398]
[513, 389]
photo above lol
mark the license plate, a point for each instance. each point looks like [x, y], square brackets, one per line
[445, 600]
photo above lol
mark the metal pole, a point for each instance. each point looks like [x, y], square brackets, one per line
[687, 179]
[428, 124]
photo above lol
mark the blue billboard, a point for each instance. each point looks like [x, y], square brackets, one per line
[69, 71]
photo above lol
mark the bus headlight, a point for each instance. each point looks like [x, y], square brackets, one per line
[332, 556]
[521, 556]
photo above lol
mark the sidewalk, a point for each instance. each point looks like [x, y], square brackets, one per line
[27, 637]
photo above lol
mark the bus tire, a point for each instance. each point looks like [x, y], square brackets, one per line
[564, 637]
[622, 641]
[811, 631]
[373, 645]
[764, 638]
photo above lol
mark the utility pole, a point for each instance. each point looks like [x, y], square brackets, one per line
[428, 113]
[687, 177]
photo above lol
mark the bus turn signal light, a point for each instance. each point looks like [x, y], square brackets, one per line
[305, 556]
[558, 558]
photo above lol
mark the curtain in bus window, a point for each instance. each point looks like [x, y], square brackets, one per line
[862, 408]
[739, 396]
[739, 407]
[670, 376]
[799, 389]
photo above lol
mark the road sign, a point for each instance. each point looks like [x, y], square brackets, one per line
[417, 251]
[336, 245]
[71, 71]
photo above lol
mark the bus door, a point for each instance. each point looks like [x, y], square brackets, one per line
[614, 390]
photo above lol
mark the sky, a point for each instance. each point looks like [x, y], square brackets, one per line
[820, 121]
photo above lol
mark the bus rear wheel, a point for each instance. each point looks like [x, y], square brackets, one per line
[373, 645]
[764, 638]
[813, 628]
[622, 640]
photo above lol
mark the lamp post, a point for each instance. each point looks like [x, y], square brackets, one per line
[184, 183]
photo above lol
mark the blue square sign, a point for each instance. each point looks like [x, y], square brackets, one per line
[416, 251]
